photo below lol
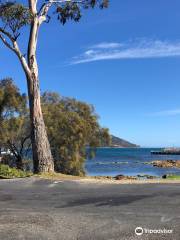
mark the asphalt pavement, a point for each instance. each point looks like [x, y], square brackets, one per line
[34, 208]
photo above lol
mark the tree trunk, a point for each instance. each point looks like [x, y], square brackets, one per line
[42, 157]
[19, 162]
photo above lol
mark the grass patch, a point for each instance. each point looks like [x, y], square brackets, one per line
[7, 172]
[173, 177]
[61, 176]
[56, 176]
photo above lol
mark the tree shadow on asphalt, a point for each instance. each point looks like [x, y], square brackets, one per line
[114, 200]
[105, 201]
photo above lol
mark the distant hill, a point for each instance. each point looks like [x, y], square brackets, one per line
[119, 142]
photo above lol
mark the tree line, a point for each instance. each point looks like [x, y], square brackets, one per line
[72, 128]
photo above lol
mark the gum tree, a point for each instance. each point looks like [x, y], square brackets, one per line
[13, 17]
[14, 122]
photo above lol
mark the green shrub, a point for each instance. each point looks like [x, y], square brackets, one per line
[173, 177]
[8, 172]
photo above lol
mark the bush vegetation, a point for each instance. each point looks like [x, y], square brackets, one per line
[173, 177]
[8, 172]
[14, 123]
[72, 126]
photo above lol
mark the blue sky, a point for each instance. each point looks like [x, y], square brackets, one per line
[124, 60]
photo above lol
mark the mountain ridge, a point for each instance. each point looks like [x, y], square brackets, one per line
[119, 142]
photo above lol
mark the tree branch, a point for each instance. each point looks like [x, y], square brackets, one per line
[7, 34]
[32, 6]
[6, 42]
[12, 148]
[46, 6]
[21, 58]
[14, 47]
[23, 142]
[44, 11]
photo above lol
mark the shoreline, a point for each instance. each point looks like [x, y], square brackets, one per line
[93, 180]
[103, 179]
[138, 181]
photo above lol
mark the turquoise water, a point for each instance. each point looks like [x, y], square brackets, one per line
[127, 161]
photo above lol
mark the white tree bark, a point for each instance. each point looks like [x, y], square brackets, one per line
[43, 160]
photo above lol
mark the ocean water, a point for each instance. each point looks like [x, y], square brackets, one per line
[127, 161]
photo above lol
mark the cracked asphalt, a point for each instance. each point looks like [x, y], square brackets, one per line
[41, 209]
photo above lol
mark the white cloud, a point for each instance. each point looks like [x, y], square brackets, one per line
[173, 112]
[130, 50]
[104, 45]
[89, 52]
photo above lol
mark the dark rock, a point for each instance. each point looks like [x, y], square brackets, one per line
[119, 177]
[146, 176]
[150, 177]
[122, 177]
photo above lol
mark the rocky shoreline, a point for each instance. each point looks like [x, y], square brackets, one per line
[157, 163]
[122, 177]
[166, 163]
[137, 177]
